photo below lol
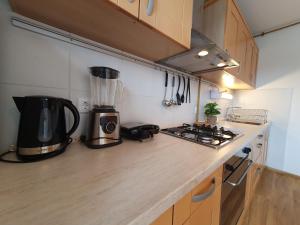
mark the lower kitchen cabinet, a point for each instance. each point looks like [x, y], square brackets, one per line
[208, 213]
[165, 218]
[202, 205]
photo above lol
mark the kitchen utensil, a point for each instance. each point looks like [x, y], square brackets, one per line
[104, 124]
[42, 128]
[188, 91]
[166, 102]
[182, 96]
[172, 101]
[177, 94]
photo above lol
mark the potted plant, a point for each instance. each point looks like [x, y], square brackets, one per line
[211, 111]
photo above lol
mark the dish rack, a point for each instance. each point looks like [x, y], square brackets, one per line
[250, 116]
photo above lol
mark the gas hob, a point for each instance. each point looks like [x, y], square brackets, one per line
[211, 136]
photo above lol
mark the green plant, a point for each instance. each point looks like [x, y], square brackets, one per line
[210, 109]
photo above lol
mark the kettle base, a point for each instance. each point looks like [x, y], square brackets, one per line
[41, 156]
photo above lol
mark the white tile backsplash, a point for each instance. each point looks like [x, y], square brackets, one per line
[31, 64]
[30, 59]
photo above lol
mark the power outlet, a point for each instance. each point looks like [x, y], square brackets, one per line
[83, 105]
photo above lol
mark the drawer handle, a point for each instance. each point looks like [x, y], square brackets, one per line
[260, 136]
[242, 177]
[258, 171]
[206, 195]
[131, 1]
[150, 7]
[259, 145]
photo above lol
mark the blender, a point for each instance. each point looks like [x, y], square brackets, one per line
[104, 121]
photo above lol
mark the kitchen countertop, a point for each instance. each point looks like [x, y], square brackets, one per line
[129, 184]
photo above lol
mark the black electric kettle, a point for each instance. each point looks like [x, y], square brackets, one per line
[42, 127]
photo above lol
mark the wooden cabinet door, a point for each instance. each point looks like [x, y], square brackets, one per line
[254, 62]
[165, 218]
[248, 61]
[182, 210]
[171, 17]
[130, 6]
[241, 52]
[231, 30]
[208, 213]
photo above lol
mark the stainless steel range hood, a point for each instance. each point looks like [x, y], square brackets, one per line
[208, 33]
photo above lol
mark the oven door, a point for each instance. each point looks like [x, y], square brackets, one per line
[234, 188]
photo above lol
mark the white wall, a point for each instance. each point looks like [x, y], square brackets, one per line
[32, 64]
[278, 91]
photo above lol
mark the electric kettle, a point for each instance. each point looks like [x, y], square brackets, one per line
[42, 127]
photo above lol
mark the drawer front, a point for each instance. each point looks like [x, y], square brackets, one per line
[165, 218]
[209, 212]
[213, 181]
[182, 210]
[258, 147]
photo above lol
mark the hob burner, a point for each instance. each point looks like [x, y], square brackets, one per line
[211, 136]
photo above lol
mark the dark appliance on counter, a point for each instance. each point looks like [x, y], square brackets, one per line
[42, 127]
[211, 136]
[138, 131]
[234, 187]
[104, 122]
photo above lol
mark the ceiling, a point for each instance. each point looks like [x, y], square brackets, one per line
[264, 15]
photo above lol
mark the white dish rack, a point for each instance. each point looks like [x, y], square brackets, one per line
[250, 116]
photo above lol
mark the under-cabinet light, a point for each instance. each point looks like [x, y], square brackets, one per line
[203, 53]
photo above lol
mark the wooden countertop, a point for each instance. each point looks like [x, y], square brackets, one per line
[129, 184]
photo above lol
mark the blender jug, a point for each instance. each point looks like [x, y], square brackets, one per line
[104, 83]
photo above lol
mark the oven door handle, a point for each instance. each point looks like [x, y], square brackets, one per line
[242, 177]
[206, 195]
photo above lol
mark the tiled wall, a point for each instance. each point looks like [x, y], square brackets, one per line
[32, 64]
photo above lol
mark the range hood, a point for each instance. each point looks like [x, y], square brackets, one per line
[207, 51]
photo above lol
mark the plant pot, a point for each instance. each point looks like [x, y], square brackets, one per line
[211, 120]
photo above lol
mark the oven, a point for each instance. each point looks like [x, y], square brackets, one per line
[234, 187]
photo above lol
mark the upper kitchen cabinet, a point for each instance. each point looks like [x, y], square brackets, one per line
[130, 6]
[170, 17]
[239, 43]
[120, 24]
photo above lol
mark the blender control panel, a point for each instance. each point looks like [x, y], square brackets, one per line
[108, 124]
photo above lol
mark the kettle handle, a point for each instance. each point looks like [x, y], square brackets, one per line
[76, 116]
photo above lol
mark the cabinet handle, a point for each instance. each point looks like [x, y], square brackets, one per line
[206, 195]
[258, 171]
[150, 7]
[242, 177]
[260, 136]
[259, 145]
[131, 1]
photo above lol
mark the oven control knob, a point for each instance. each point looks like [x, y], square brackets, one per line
[110, 127]
[247, 150]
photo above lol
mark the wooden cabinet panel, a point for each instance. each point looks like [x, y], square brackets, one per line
[187, 23]
[182, 210]
[248, 61]
[165, 218]
[171, 17]
[254, 62]
[231, 30]
[131, 6]
[150, 18]
[240, 45]
[208, 213]
[241, 52]
[204, 187]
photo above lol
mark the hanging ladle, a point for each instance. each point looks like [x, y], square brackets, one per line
[166, 102]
